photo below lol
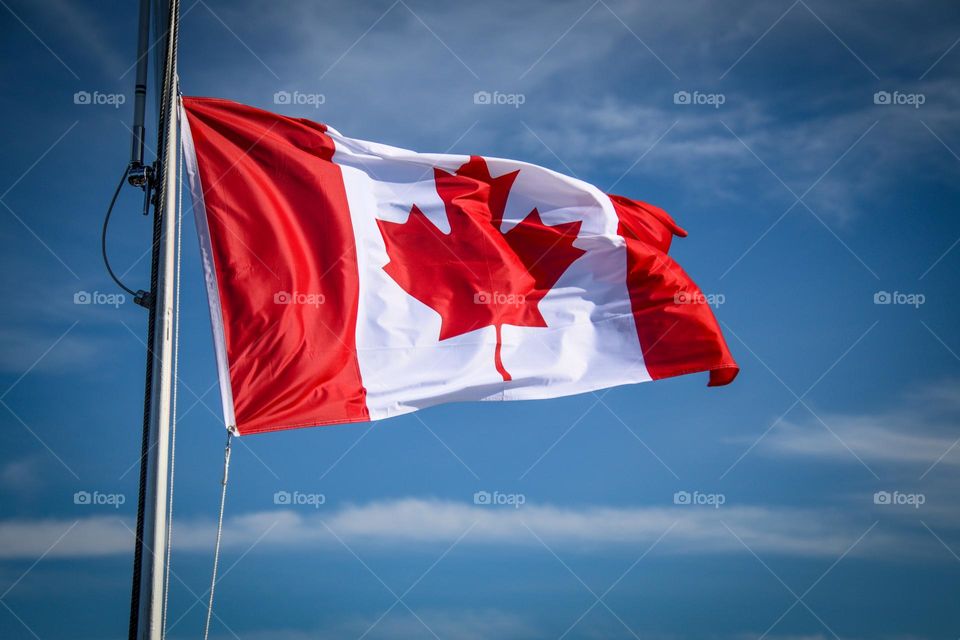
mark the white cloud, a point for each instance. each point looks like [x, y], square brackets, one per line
[451, 624]
[884, 438]
[25, 474]
[408, 64]
[913, 447]
[920, 433]
[85, 537]
[415, 522]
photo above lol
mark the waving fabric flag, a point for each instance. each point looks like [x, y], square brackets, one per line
[352, 281]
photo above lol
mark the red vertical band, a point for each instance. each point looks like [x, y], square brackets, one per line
[285, 259]
[677, 330]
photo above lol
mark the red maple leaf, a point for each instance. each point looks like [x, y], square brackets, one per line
[476, 276]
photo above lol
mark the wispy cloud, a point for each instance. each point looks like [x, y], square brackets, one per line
[797, 129]
[414, 521]
[24, 474]
[451, 624]
[85, 32]
[921, 432]
[884, 438]
[36, 332]
[22, 347]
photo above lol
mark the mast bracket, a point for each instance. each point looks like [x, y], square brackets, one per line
[143, 176]
[144, 299]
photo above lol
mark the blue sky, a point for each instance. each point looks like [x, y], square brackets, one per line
[809, 197]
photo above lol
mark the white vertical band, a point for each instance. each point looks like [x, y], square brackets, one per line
[209, 272]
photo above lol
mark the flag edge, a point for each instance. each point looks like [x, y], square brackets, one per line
[211, 281]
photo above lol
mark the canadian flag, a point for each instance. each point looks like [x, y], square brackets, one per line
[352, 281]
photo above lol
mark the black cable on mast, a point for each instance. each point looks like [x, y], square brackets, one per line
[103, 235]
[140, 297]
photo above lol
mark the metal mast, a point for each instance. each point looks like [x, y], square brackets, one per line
[146, 606]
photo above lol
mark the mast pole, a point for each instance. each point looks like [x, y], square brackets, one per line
[140, 85]
[136, 166]
[146, 608]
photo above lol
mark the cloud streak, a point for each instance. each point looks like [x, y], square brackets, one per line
[412, 522]
[922, 432]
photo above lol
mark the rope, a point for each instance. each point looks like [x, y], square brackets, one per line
[173, 402]
[216, 552]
